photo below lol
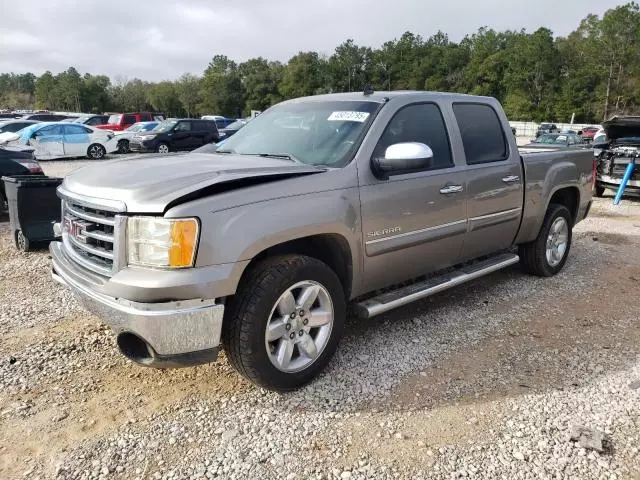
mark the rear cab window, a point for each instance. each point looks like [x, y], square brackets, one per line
[129, 119]
[482, 133]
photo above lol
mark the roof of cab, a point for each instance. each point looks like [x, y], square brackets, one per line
[383, 96]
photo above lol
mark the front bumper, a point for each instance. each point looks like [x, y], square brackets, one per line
[614, 183]
[170, 334]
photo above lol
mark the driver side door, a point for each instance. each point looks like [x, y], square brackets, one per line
[181, 138]
[413, 223]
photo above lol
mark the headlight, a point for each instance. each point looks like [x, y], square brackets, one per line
[162, 242]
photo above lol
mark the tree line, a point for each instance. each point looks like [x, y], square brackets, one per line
[594, 73]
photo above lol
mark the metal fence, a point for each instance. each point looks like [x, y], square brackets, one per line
[529, 129]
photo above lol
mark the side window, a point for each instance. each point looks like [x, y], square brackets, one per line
[94, 121]
[183, 127]
[221, 123]
[48, 131]
[421, 123]
[145, 117]
[129, 119]
[74, 130]
[482, 134]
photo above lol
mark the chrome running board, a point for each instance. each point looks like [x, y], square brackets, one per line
[417, 291]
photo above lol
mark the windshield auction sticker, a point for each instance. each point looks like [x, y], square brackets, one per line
[348, 116]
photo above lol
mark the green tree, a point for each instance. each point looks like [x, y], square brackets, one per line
[260, 83]
[302, 75]
[163, 97]
[188, 89]
[45, 89]
[221, 88]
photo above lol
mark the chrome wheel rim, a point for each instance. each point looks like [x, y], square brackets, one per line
[299, 326]
[557, 241]
[21, 241]
[96, 151]
[163, 149]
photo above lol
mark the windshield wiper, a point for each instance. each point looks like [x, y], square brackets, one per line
[284, 156]
[224, 151]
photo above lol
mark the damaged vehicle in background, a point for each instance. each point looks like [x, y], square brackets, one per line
[619, 146]
[62, 140]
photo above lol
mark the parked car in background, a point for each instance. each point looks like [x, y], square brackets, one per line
[174, 135]
[16, 162]
[47, 117]
[121, 121]
[588, 133]
[11, 126]
[92, 120]
[10, 115]
[559, 139]
[123, 138]
[232, 128]
[221, 122]
[547, 128]
[62, 140]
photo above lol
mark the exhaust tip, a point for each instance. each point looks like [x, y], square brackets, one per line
[135, 348]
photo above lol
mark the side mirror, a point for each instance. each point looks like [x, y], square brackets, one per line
[403, 158]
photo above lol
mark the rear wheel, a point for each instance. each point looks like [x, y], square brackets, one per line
[284, 323]
[22, 242]
[548, 253]
[96, 151]
[162, 148]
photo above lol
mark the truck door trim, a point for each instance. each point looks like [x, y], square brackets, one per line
[477, 223]
[415, 237]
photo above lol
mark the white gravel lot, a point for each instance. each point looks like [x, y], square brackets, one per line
[485, 381]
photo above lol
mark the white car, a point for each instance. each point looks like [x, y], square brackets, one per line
[63, 140]
[123, 137]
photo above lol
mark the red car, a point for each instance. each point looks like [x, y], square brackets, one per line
[588, 133]
[121, 121]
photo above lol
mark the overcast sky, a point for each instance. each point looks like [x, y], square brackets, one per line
[161, 39]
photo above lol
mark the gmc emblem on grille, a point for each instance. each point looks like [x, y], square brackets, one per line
[75, 227]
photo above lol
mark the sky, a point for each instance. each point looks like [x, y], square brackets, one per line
[162, 39]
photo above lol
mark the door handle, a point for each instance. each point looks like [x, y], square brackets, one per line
[451, 189]
[511, 179]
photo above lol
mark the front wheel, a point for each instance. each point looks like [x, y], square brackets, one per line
[22, 243]
[284, 323]
[123, 146]
[548, 253]
[162, 148]
[598, 190]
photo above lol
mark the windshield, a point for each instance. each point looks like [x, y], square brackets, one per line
[237, 125]
[548, 139]
[313, 132]
[79, 119]
[136, 127]
[164, 126]
[114, 119]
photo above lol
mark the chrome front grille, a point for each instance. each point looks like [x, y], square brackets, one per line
[90, 235]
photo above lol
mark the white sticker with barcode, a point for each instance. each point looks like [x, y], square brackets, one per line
[348, 116]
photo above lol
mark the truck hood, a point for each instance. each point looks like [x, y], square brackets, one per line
[153, 183]
[618, 128]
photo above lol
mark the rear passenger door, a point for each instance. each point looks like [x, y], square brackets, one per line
[412, 223]
[494, 186]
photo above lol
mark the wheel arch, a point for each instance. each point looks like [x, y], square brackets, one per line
[330, 248]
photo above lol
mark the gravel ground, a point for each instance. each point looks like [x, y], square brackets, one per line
[485, 381]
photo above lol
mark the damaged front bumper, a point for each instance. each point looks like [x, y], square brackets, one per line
[160, 334]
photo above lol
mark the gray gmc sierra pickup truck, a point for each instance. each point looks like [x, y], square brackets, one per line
[259, 244]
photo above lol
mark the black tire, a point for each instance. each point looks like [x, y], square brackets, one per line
[96, 151]
[598, 190]
[22, 243]
[123, 146]
[3, 203]
[533, 258]
[161, 146]
[247, 314]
